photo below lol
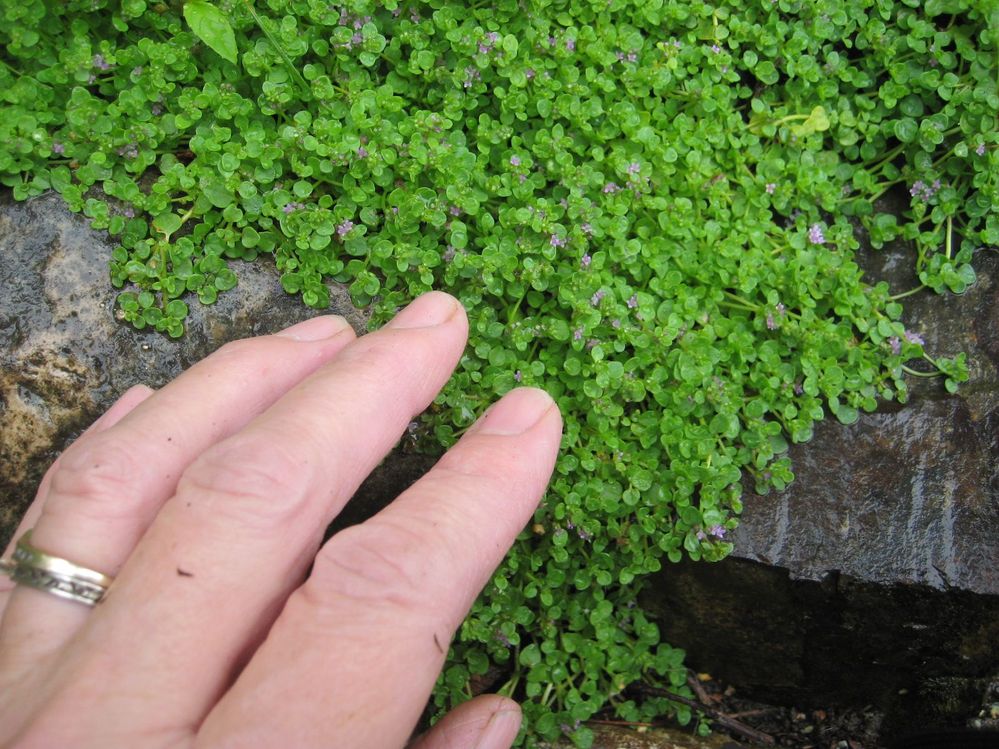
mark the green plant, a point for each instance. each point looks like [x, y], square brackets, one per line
[648, 208]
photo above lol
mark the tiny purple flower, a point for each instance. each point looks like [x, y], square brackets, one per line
[449, 253]
[585, 262]
[632, 301]
[137, 71]
[717, 531]
[362, 153]
[981, 149]
[515, 161]
[615, 323]
[771, 325]
[815, 235]
[586, 228]
[701, 536]
[357, 39]
[610, 188]
[344, 228]
[598, 295]
[454, 210]
[715, 48]
[780, 308]
[632, 57]
[921, 191]
[771, 188]
[556, 241]
[577, 334]
[58, 148]
[100, 63]
[570, 44]
[128, 212]
[914, 338]
[634, 167]
[896, 345]
[517, 376]
[289, 208]
[529, 74]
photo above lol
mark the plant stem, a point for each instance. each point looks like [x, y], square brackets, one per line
[917, 373]
[910, 292]
[306, 89]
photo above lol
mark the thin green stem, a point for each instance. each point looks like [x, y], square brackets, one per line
[730, 305]
[306, 89]
[887, 158]
[910, 292]
[948, 243]
[11, 68]
[739, 300]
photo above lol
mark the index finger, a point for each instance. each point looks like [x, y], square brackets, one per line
[355, 653]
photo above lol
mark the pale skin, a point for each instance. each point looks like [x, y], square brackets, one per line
[207, 501]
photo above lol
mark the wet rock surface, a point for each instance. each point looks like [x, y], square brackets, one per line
[874, 578]
[64, 358]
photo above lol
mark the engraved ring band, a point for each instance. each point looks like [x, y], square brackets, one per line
[33, 567]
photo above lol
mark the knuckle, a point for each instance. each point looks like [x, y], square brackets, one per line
[99, 478]
[254, 482]
[378, 564]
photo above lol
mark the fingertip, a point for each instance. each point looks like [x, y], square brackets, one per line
[516, 412]
[428, 310]
[316, 328]
[488, 721]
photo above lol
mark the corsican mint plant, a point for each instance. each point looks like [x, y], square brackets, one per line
[648, 207]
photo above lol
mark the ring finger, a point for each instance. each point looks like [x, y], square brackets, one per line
[107, 488]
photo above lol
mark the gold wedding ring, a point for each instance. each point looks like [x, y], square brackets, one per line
[33, 567]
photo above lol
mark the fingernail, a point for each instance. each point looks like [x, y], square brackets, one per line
[315, 329]
[500, 731]
[428, 310]
[517, 411]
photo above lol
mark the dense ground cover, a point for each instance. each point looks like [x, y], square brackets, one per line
[648, 208]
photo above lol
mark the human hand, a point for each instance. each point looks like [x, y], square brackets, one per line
[207, 502]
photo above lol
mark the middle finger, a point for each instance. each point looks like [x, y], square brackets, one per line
[220, 559]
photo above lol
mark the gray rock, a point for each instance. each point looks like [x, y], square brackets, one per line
[874, 578]
[64, 358]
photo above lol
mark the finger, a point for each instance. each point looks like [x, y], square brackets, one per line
[486, 722]
[107, 489]
[218, 562]
[355, 653]
[118, 410]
